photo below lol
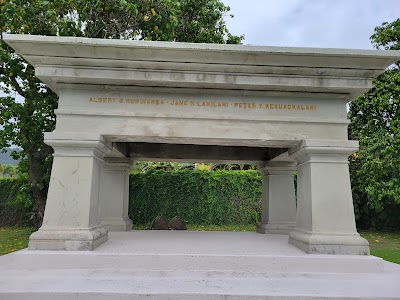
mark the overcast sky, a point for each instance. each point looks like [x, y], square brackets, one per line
[310, 23]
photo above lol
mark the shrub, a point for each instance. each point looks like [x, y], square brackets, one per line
[198, 197]
[12, 212]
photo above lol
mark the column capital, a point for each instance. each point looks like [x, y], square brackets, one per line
[120, 163]
[327, 151]
[79, 148]
[277, 167]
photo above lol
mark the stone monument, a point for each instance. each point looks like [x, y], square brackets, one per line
[122, 101]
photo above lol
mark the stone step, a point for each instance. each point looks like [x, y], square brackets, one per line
[124, 284]
[194, 266]
[198, 262]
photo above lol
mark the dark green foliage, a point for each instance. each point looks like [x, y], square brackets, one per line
[198, 197]
[387, 36]
[13, 213]
[375, 169]
[7, 170]
[375, 122]
[6, 158]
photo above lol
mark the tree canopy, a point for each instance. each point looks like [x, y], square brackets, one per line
[7, 170]
[375, 122]
[27, 105]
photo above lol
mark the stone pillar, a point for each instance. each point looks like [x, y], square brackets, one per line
[279, 202]
[72, 219]
[114, 194]
[325, 222]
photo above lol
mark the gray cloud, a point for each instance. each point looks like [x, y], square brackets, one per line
[310, 23]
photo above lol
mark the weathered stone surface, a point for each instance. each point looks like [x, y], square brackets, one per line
[177, 223]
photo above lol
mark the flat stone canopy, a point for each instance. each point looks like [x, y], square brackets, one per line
[121, 101]
[186, 65]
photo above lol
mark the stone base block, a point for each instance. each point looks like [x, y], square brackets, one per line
[71, 240]
[351, 244]
[276, 228]
[117, 224]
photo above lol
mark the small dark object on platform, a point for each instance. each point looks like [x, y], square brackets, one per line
[159, 223]
[177, 224]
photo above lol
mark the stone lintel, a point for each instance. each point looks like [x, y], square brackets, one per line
[187, 65]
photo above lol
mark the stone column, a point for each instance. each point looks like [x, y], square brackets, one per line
[114, 194]
[325, 222]
[279, 202]
[72, 219]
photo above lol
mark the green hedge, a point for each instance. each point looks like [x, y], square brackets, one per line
[198, 197]
[11, 212]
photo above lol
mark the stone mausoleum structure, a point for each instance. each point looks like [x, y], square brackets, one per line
[123, 101]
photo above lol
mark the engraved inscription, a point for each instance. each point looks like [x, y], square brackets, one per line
[214, 104]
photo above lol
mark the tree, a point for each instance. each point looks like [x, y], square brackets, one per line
[7, 170]
[27, 105]
[375, 122]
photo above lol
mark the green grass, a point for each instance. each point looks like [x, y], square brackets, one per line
[14, 238]
[383, 244]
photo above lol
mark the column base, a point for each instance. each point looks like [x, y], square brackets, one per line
[346, 244]
[117, 224]
[69, 240]
[276, 228]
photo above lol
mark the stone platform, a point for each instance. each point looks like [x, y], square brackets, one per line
[195, 265]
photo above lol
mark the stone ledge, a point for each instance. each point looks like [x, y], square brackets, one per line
[71, 240]
[276, 228]
[352, 244]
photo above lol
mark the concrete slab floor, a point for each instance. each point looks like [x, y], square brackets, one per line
[195, 265]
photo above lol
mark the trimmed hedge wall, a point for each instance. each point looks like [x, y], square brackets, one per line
[11, 212]
[198, 197]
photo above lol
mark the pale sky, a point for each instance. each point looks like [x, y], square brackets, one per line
[310, 23]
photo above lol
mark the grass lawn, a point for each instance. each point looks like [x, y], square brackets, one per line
[14, 238]
[383, 244]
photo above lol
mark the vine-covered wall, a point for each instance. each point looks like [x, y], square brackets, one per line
[198, 197]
